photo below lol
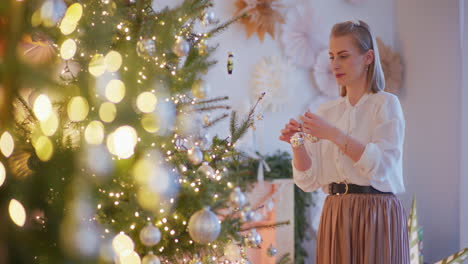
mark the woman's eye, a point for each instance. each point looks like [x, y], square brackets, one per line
[344, 57]
[331, 58]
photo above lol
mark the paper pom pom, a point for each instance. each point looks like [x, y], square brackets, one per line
[324, 77]
[272, 75]
[392, 67]
[302, 36]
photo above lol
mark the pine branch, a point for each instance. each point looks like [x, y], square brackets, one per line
[216, 121]
[224, 26]
[271, 226]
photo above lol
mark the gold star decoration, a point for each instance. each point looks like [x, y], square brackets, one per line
[262, 16]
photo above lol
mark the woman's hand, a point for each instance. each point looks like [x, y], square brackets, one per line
[318, 127]
[289, 130]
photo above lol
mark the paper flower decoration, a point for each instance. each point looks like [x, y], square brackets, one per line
[272, 75]
[392, 67]
[37, 51]
[263, 15]
[302, 36]
[324, 77]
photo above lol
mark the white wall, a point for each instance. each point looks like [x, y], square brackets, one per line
[426, 33]
[463, 138]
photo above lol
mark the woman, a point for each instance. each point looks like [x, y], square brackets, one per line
[352, 149]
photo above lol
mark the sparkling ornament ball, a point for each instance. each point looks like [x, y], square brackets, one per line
[204, 226]
[200, 89]
[271, 251]
[195, 155]
[237, 198]
[209, 18]
[150, 259]
[247, 215]
[181, 47]
[232, 252]
[206, 170]
[150, 235]
[146, 47]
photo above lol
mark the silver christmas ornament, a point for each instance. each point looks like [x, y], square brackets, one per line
[271, 251]
[253, 239]
[206, 169]
[150, 259]
[146, 47]
[150, 235]
[237, 199]
[181, 47]
[204, 226]
[195, 155]
[209, 18]
[247, 215]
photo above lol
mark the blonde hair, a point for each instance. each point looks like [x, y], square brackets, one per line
[365, 41]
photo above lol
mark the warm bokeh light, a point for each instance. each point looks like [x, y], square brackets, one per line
[107, 112]
[94, 133]
[42, 107]
[150, 123]
[44, 148]
[115, 91]
[49, 126]
[122, 245]
[97, 65]
[7, 144]
[148, 199]
[67, 26]
[146, 102]
[122, 142]
[77, 109]
[132, 258]
[74, 12]
[17, 212]
[68, 49]
[2, 174]
[113, 61]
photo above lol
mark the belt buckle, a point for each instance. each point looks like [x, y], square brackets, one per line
[346, 188]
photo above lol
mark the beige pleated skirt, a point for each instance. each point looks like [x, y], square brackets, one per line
[363, 229]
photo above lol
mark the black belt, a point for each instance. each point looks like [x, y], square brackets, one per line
[344, 188]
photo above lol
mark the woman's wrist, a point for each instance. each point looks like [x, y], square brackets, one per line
[338, 137]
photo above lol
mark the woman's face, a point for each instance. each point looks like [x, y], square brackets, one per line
[347, 63]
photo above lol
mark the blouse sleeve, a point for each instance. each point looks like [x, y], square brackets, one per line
[381, 161]
[308, 180]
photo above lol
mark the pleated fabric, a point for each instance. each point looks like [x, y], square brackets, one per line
[363, 229]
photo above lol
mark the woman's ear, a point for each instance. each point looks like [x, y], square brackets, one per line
[369, 57]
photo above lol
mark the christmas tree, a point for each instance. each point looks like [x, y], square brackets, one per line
[104, 152]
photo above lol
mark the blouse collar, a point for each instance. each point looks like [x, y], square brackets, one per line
[360, 102]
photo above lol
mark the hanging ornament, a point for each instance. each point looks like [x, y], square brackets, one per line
[207, 120]
[68, 71]
[230, 62]
[204, 226]
[146, 47]
[181, 47]
[200, 89]
[237, 199]
[206, 170]
[247, 215]
[271, 251]
[150, 235]
[232, 252]
[253, 238]
[150, 259]
[195, 155]
[209, 18]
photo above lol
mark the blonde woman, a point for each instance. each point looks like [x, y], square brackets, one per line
[352, 149]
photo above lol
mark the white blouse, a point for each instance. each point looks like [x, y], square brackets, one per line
[377, 121]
